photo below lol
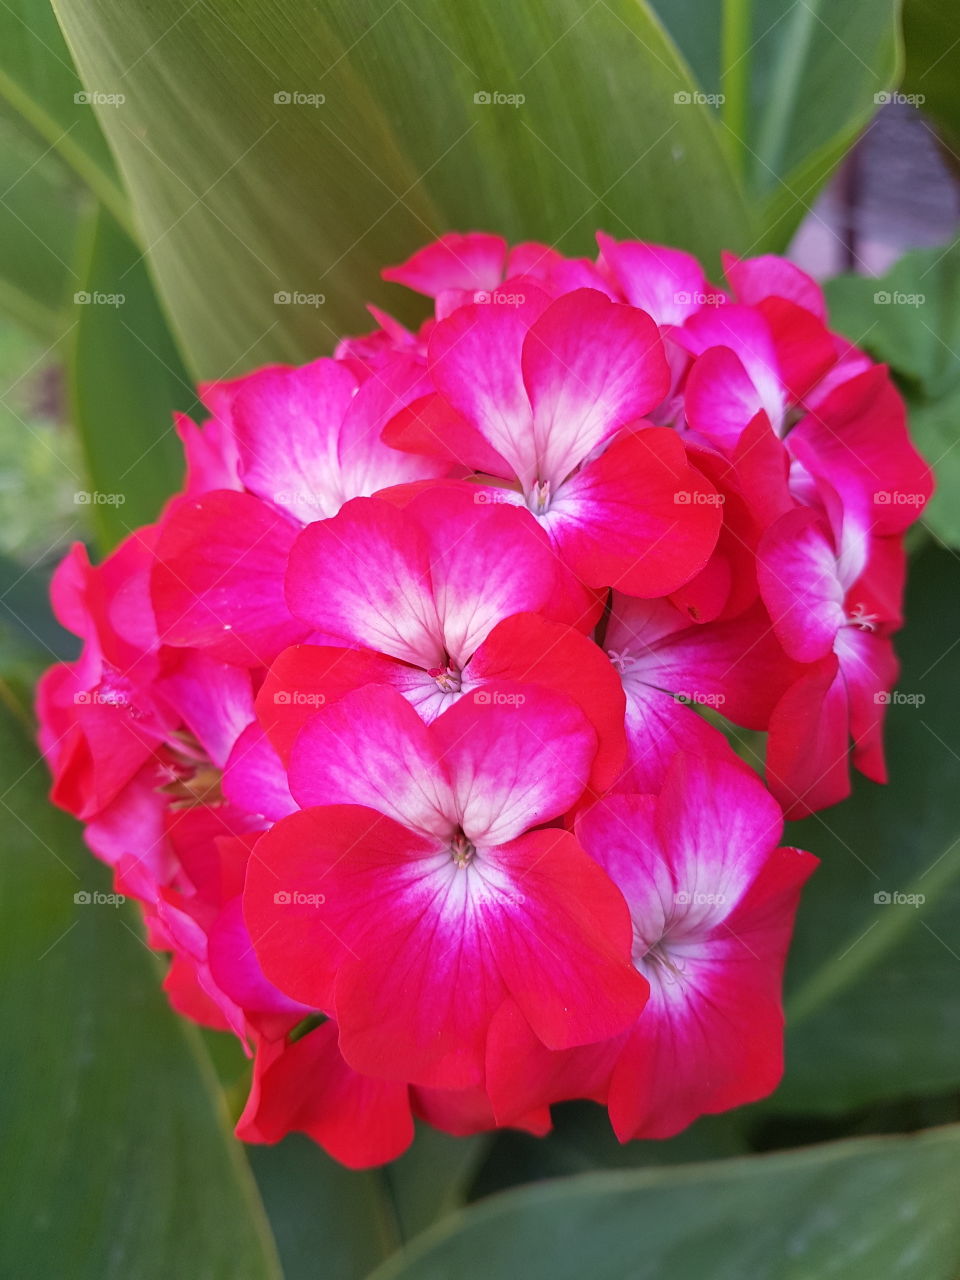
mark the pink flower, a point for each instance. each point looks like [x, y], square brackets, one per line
[822, 616]
[307, 440]
[419, 899]
[408, 724]
[551, 397]
[712, 901]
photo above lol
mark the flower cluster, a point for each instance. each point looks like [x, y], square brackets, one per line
[409, 722]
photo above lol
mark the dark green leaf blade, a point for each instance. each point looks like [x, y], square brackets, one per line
[126, 381]
[874, 1003]
[39, 85]
[118, 1162]
[848, 1211]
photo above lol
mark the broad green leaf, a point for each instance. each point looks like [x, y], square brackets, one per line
[799, 79]
[911, 320]
[40, 87]
[582, 1141]
[126, 381]
[431, 1178]
[354, 1220]
[248, 186]
[936, 428]
[118, 1162]
[28, 629]
[932, 62]
[41, 211]
[847, 1211]
[328, 1221]
[873, 1010]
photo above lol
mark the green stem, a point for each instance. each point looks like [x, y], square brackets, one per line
[87, 169]
[892, 922]
[734, 78]
[785, 86]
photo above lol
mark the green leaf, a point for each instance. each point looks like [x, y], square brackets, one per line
[328, 1220]
[874, 1004]
[849, 1211]
[41, 211]
[431, 1177]
[932, 64]
[799, 79]
[126, 381]
[117, 1158]
[911, 320]
[582, 1140]
[39, 85]
[243, 195]
[936, 429]
[354, 1220]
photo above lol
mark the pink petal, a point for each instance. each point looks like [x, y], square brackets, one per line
[364, 577]
[431, 428]
[717, 824]
[563, 942]
[590, 366]
[799, 580]
[870, 670]
[366, 463]
[857, 438]
[487, 561]
[218, 579]
[307, 677]
[213, 699]
[805, 349]
[638, 518]
[517, 755]
[736, 667]
[371, 748]
[809, 740]
[657, 727]
[666, 283]
[770, 276]
[287, 425]
[316, 881]
[711, 1038]
[254, 778]
[307, 1087]
[720, 399]
[529, 649]
[473, 262]
[475, 365]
